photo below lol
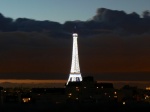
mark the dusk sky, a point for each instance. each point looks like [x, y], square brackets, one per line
[36, 40]
[67, 10]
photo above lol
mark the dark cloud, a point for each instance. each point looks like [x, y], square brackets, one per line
[104, 20]
[146, 14]
[114, 16]
[130, 23]
[27, 25]
[24, 24]
[112, 20]
[5, 23]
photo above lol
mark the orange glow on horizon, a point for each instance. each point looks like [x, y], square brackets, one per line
[61, 83]
[31, 81]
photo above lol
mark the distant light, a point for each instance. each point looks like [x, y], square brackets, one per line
[77, 98]
[115, 96]
[70, 94]
[26, 100]
[147, 88]
[84, 87]
[146, 97]
[97, 87]
[123, 103]
[115, 92]
[102, 87]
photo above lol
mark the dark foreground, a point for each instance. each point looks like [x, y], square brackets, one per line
[75, 107]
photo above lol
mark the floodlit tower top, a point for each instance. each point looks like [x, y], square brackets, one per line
[75, 35]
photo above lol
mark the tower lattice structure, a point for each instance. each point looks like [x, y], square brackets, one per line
[75, 75]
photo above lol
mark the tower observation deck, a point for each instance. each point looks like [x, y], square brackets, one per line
[75, 75]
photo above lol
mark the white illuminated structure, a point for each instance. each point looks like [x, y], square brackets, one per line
[75, 75]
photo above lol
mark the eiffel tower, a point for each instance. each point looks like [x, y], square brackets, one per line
[75, 75]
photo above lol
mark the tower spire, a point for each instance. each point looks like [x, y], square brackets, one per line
[75, 75]
[75, 29]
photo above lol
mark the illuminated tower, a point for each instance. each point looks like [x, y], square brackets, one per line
[75, 75]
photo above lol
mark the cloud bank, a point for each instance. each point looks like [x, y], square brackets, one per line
[104, 19]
